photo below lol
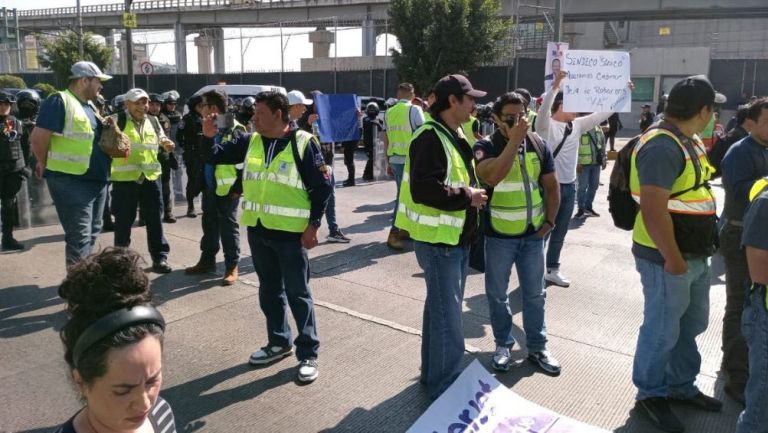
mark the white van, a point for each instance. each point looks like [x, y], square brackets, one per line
[239, 91]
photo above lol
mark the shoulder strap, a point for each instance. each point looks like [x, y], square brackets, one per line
[155, 124]
[568, 130]
[685, 141]
[538, 145]
[296, 156]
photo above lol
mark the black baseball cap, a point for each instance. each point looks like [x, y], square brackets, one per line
[456, 84]
[696, 90]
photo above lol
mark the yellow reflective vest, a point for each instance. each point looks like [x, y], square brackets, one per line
[275, 194]
[142, 158]
[226, 174]
[399, 132]
[425, 223]
[591, 144]
[468, 133]
[70, 150]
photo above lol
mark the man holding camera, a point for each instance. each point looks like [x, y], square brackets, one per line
[523, 198]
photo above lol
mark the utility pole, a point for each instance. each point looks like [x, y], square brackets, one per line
[558, 20]
[80, 31]
[129, 49]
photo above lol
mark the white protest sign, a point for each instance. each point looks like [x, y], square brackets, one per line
[555, 53]
[476, 402]
[598, 81]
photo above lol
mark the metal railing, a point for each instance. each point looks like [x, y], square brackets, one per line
[153, 5]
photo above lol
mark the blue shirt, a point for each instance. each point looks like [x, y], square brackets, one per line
[52, 116]
[743, 164]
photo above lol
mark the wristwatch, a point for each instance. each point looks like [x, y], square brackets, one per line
[315, 223]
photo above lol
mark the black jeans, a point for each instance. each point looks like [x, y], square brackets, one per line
[220, 227]
[126, 196]
[735, 352]
[349, 158]
[10, 185]
[283, 270]
[165, 180]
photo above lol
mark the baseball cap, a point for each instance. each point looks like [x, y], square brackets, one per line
[85, 69]
[456, 85]
[296, 97]
[134, 95]
[696, 89]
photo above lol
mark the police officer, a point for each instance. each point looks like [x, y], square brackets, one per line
[371, 127]
[136, 179]
[170, 101]
[400, 121]
[12, 168]
[167, 159]
[221, 194]
[286, 186]
[188, 136]
[245, 112]
[521, 170]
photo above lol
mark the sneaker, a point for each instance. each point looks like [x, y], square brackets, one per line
[502, 359]
[338, 237]
[394, 241]
[308, 370]
[11, 244]
[592, 213]
[230, 276]
[161, 267]
[553, 276]
[268, 354]
[658, 411]
[580, 215]
[170, 219]
[545, 361]
[701, 401]
[200, 268]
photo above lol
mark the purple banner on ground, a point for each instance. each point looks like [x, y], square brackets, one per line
[338, 118]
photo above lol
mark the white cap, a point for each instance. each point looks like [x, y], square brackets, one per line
[134, 95]
[85, 69]
[720, 98]
[296, 97]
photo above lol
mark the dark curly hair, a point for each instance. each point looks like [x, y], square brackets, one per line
[94, 287]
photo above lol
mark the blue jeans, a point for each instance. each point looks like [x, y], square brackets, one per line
[126, 196]
[397, 169]
[556, 237]
[754, 326]
[283, 270]
[676, 310]
[220, 226]
[528, 255]
[80, 205]
[330, 208]
[589, 181]
[442, 339]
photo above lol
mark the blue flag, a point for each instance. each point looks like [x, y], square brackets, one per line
[338, 119]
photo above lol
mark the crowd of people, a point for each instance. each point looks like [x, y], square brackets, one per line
[511, 187]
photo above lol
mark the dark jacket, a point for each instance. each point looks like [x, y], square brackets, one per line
[12, 156]
[718, 151]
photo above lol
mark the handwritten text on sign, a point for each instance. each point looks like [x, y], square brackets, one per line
[597, 81]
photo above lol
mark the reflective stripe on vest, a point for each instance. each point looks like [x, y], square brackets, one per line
[517, 202]
[590, 143]
[274, 194]
[226, 174]
[699, 201]
[70, 150]
[142, 159]
[425, 223]
[399, 132]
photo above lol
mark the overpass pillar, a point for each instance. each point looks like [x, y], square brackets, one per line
[321, 42]
[204, 46]
[369, 38]
[180, 45]
[218, 51]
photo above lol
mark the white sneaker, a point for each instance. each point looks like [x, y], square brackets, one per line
[308, 370]
[553, 276]
[502, 359]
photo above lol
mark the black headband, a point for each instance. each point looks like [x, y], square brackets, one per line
[114, 322]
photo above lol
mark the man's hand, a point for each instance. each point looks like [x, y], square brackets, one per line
[39, 169]
[209, 126]
[544, 230]
[479, 197]
[579, 168]
[312, 118]
[516, 134]
[309, 237]
[559, 79]
[676, 266]
[167, 144]
[390, 172]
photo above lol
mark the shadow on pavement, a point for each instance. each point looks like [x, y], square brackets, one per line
[372, 223]
[191, 401]
[357, 256]
[381, 207]
[20, 300]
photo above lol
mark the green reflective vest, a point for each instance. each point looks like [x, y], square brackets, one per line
[274, 194]
[70, 150]
[591, 144]
[517, 200]
[427, 116]
[757, 189]
[399, 132]
[226, 174]
[467, 128]
[142, 158]
[699, 201]
[428, 224]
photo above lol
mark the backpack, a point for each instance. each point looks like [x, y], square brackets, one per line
[622, 207]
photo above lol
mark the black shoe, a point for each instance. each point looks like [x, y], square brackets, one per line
[580, 215]
[11, 244]
[368, 178]
[191, 212]
[349, 182]
[592, 213]
[108, 226]
[658, 411]
[702, 401]
[161, 267]
[736, 392]
[169, 219]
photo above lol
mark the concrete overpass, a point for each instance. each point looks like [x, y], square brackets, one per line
[208, 17]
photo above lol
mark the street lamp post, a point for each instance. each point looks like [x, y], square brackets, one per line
[129, 49]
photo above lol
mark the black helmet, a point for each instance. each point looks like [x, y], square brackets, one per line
[154, 97]
[372, 109]
[28, 96]
[6, 97]
[193, 101]
[170, 99]
[248, 102]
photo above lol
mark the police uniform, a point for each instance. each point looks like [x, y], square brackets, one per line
[168, 164]
[13, 162]
[188, 136]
